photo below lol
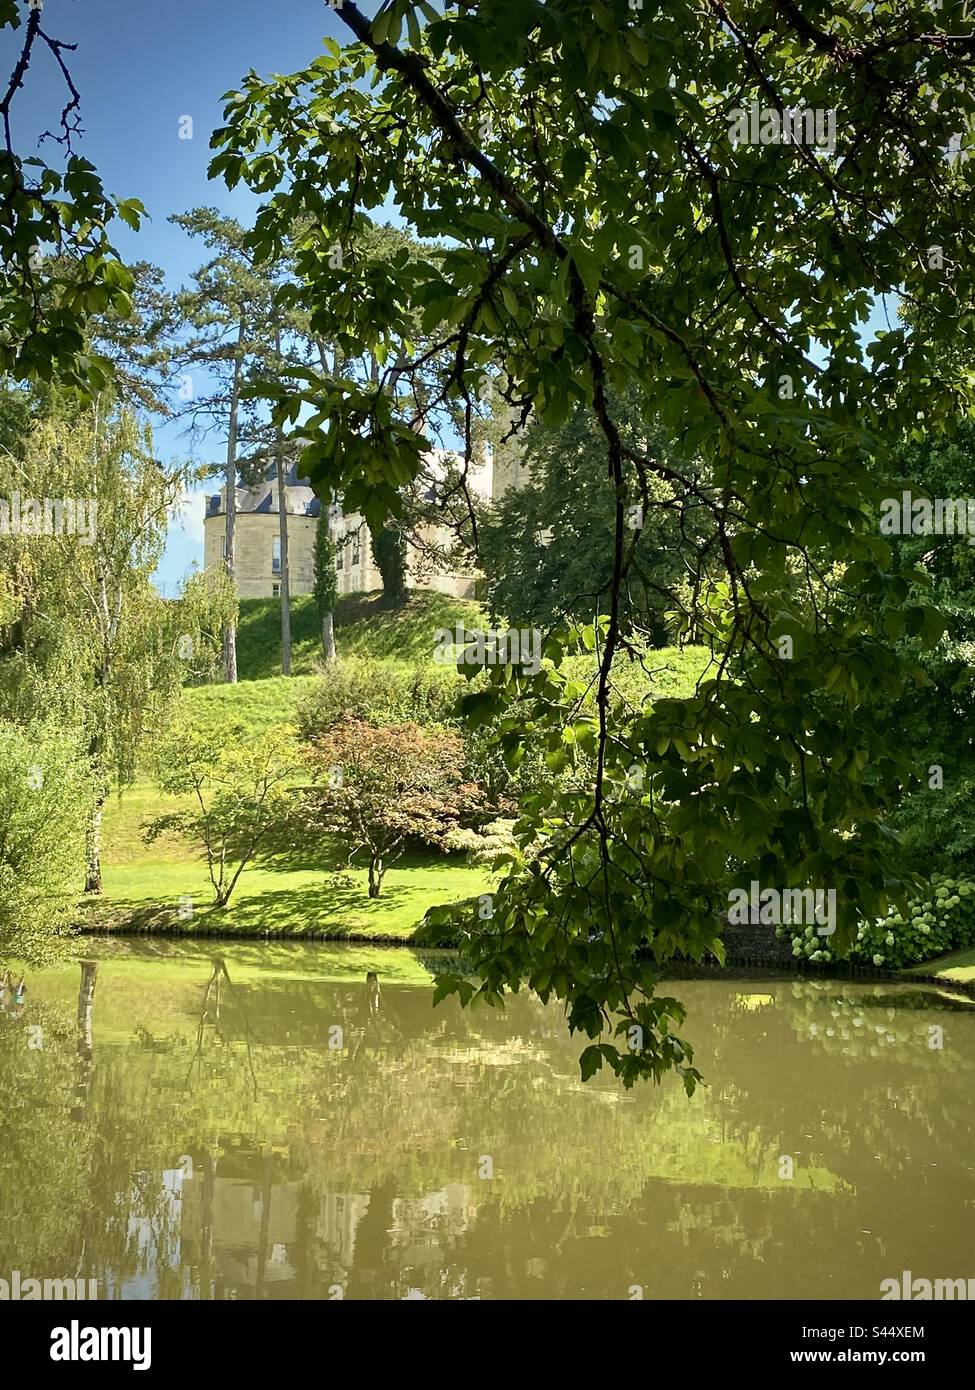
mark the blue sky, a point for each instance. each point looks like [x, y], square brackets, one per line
[141, 65]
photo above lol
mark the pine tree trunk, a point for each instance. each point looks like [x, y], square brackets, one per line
[283, 534]
[230, 635]
[328, 638]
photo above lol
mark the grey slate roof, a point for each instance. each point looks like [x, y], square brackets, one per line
[262, 500]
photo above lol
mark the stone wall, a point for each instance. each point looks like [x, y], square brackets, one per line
[353, 547]
[255, 534]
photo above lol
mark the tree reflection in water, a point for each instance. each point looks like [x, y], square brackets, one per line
[191, 1129]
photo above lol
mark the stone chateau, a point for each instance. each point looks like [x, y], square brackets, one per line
[258, 544]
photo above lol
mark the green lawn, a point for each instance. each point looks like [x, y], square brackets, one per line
[258, 704]
[958, 967]
[365, 625]
[290, 894]
[283, 895]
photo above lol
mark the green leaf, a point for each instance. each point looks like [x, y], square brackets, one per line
[574, 166]
[590, 1062]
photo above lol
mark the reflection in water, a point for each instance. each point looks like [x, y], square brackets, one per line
[86, 1046]
[299, 1122]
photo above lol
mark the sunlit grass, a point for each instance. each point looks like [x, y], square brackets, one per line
[282, 895]
[365, 625]
[959, 967]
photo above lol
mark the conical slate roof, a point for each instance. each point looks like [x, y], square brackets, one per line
[300, 500]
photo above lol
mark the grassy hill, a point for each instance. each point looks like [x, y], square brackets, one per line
[290, 894]
[257, 703]
[365, 625]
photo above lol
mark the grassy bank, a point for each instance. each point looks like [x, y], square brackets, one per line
[365, 625]
[258, 704]
[957, 968]
[286, 896]
[165, 887]
[289, 896]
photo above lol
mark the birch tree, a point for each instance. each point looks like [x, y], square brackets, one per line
[87, 640]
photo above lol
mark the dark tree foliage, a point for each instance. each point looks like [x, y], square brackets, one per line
[935, 717]
[546, 546]
[607, 230]
[389, 553]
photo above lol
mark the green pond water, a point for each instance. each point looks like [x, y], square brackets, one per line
[285, 1126]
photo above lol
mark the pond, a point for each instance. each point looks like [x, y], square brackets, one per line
[273, 1121]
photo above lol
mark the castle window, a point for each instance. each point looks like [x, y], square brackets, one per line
[276, 555]
[340, 553]
[355, 548]
[275, 590]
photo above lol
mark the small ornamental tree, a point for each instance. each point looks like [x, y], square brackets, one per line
[239, 786]
[378, 788]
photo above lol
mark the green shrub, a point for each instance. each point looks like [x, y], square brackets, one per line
[930, 928]
[943, 922]
[380, 692]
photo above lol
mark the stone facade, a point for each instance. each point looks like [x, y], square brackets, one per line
[257, 553]
[256, 546]
[354, 569]
[257, 558]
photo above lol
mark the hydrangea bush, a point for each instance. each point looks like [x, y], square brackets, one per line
[943, 922]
